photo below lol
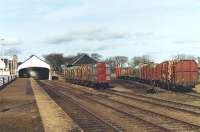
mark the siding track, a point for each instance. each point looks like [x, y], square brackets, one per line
[156, 119]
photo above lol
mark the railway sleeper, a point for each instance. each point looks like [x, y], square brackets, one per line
[171, 122]
[175, 122]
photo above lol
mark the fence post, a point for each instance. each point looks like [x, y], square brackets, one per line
[3, 81]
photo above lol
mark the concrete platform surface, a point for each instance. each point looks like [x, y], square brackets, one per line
[18, 109]
[53, 117]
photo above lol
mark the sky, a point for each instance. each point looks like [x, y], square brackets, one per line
[130, 28]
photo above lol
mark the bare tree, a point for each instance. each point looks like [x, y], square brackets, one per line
[55, 60]
[117, 61]
[138, 60]
[183, 57]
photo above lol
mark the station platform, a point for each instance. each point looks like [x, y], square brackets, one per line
[25, 107]
[18, 109]
[53, 117]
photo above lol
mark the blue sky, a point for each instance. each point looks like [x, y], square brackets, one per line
[109, 27]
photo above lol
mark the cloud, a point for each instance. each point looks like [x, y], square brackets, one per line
[91, 34]
[59, 40]
[187, 41]
[85, 10]
[101, 47]
[98, 48]
[9, 42]
[13, 51]
[143, 34]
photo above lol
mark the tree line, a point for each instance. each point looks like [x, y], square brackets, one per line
[58, 60]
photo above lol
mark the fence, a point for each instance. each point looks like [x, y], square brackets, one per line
[5, 80]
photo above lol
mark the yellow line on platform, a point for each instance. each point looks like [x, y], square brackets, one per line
[53, 117]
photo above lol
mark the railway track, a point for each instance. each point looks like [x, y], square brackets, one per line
[135, 120]
[192, 109]
[147, 86]
[196, 95]
[158, 101]
[169, 123]
[138, 87]
[87, 120]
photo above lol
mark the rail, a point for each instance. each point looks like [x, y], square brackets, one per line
[5, 80]
[164, 121]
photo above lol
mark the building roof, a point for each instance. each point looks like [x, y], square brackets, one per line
[34, 61]
[80, 59]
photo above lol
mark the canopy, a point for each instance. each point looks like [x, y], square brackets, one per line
[34, 61]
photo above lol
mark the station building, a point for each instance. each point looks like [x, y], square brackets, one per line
[80, 60]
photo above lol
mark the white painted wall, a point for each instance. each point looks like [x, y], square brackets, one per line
[2, 64]
[34, 61]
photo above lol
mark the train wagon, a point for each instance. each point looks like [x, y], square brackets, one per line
[137, 73]
[92, 75]
[124, 73]
[179, 74]
[174, 75]
[144, 72]
[153, 73]
[118, 72]
[148, 73]
[186, 73]
[157, 74]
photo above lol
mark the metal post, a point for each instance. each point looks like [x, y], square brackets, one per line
[3, 81]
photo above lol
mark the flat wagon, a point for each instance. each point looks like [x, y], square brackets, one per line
[175, 75]
[92, 75]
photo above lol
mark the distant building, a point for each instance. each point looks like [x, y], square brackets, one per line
[13, 65]
[2, 65]
[79, 60]
[8, 66]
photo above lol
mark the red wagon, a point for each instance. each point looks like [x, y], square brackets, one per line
[179, 74]
[185, 73]
[97, 75]
[176, 75]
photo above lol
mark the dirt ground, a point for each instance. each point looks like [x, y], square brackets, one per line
[18, 109]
